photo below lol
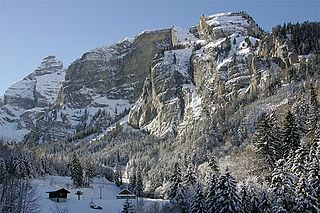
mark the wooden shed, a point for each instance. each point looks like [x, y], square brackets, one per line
[59, 195]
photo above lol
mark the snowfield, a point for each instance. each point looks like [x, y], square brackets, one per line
[109, 190]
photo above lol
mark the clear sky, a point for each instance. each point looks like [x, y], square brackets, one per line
[31, 30]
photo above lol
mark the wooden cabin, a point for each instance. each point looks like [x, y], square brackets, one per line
[59, 195]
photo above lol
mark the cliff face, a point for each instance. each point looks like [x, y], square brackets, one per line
[93, 93]
[175, 82]
[204, 76]
[24, 99]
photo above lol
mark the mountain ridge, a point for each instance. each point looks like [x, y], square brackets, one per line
[166, 78]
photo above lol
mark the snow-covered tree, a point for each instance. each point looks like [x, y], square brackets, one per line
[306, 200]
[290, 135]
[265, 205]
[175, 182]
[313, 118]
[139, 184]
[266, 141]
[211, 197]
[89, 171]
[227, 198]
[118, 176]
[76, 171]
[132, 179]
[198, 201]
[283, 188]
[246, 199]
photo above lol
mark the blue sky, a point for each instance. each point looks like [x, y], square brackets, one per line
[31, 30]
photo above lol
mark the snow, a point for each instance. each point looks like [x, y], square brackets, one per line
[183, 36]
[228, 22]
[49, 85]
[109, 190]
[182, 60]
[21, 89]
[194, 102]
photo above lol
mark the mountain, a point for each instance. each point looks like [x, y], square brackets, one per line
[168, 83]
[223, 110]
[25, 99]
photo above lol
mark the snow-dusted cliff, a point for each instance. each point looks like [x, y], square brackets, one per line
[32, 94]
[173, 81]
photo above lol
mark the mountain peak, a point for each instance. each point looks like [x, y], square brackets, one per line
[224, 24]
[50, 64]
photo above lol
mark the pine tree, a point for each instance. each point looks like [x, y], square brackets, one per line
[314, 170]
[76, 171]
[227, 198]
[264, 203]
[89, 171]
[118, 176]
[133, 179]
[198, 202]
[212, 194]
[291, 135]
[175, 183]
[282, 187]
[306, 200]
[139, 184]
[246, 199]
[300, 159]
[266, 141]
[213, 165]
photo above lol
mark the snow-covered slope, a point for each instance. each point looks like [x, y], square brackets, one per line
[108, 202]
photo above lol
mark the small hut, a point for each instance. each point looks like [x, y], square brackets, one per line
[59, 195]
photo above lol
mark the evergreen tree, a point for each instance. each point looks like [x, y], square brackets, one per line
[265, 205]
[198, 202]
[188, 185]
[118, 176]
[227, 198]
[175, 183]
[76, 171]
[211, 198]
[291, 135]
[306, 200]
[246, 199]
[314, 170]
[300, 159]
[213, 165]
[282, 187]
[133, 179]
[89, 171]
[139, 184]
[266, 141]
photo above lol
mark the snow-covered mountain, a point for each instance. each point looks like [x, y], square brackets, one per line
[24, 99]
[173, 81]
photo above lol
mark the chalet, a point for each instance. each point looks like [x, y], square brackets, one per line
[59, 196]
[125, 194]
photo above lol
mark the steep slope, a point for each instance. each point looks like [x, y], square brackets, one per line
[32, 94]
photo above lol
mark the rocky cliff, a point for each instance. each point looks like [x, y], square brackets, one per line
[223, 72]
[26, 98]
